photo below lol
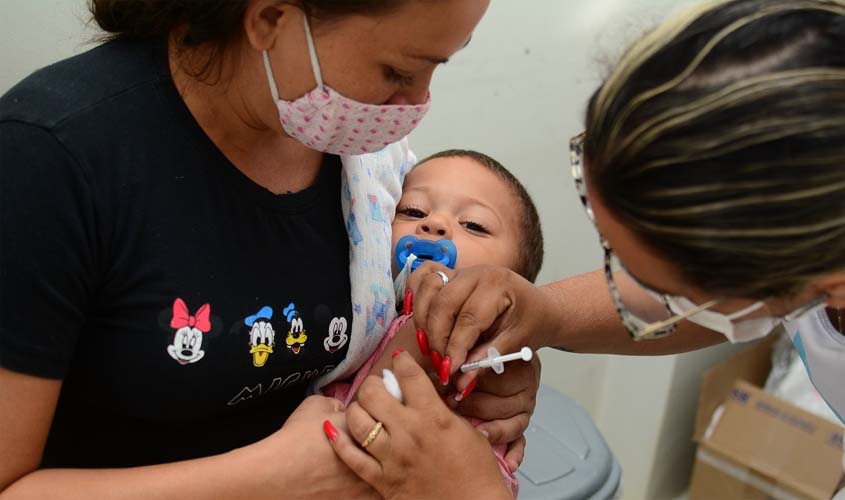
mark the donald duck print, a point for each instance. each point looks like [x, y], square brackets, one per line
[262, 336]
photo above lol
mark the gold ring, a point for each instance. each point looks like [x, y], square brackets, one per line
[374, 432]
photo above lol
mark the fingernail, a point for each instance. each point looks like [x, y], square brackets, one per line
[485, 433]
[468, 389]
[397, 352]
[445, 370]
[330, 431]
[422, 340]
[436, 360]
[408, 303]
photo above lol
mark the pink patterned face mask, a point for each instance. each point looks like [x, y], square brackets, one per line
[327, 121]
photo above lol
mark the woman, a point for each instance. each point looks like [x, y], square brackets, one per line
[175, 259]
[713, 167]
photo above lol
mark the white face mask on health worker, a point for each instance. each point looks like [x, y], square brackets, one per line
[329, 122]
[738, 331]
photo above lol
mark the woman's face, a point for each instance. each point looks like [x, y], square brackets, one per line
[384, 59]
[664, 276]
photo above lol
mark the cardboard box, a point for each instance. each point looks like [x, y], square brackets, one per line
[753, 445]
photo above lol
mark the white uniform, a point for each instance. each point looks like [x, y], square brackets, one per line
[822, 349]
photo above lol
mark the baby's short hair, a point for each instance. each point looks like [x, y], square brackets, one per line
[531, 248]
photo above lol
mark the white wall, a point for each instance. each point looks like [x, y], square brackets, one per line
[517, 93]
[34, 33]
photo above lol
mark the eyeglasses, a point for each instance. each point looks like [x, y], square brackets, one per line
[637, 326]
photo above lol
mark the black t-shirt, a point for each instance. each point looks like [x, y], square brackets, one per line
[141, 267]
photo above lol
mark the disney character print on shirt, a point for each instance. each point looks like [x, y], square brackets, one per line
[187, 342]
[337, 335]
[296, 337]
[262, 336]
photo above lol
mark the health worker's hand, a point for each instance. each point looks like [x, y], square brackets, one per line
[480, 307]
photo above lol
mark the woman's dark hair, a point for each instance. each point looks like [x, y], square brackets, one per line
[212, 23]
[719, 138]
[531, 245]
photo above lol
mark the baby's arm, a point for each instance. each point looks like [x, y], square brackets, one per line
[405, 339]
[400, 335]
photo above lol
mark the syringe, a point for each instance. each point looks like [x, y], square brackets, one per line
[496, 361]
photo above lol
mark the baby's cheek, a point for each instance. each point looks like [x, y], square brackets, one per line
[488, 254]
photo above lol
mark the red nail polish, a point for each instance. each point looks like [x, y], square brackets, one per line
[408, 303]
[445, 370]
[436, 360]
[397, 352]
[330, 431]
[468, 389]
[422, 340]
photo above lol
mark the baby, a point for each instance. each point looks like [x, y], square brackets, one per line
[472, 201]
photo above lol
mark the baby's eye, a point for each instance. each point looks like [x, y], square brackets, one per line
[415, 213]
[475, 227]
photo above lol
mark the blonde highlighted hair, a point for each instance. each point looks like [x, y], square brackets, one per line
[720, 139]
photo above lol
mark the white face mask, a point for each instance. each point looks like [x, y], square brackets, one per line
[726, 324]
[330, 122]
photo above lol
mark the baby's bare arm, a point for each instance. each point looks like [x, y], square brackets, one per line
[405, 339]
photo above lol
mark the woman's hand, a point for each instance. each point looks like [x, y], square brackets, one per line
[423, 450]
[506, 402]
[298, 463]
[487, 303]
[484, 307]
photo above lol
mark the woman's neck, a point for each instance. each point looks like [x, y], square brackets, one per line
[239, 117]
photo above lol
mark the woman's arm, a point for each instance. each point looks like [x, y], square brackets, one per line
[583, 318]
[295, 462]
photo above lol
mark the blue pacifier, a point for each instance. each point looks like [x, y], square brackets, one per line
[440, 251]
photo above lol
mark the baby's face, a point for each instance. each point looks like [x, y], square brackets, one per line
[461, 200]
